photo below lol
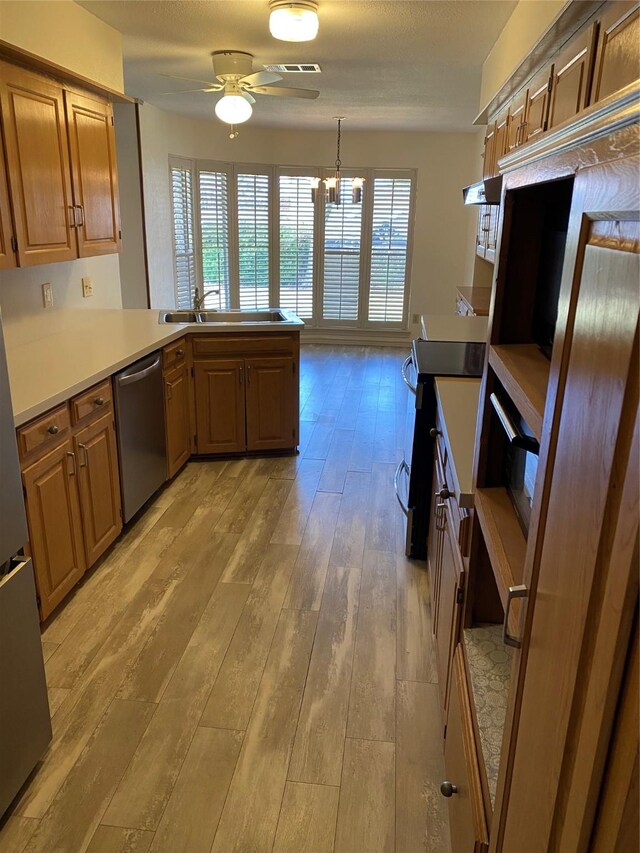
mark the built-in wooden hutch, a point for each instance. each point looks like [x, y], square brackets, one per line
[539, 679]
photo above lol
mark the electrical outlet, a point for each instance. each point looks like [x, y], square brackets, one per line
[87, 286]
[415, 318]
[47, 295]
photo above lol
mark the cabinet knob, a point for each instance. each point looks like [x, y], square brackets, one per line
[447, 789]
[99, 401]
[434, 433]
[444, 494]
[179, 353]
[53, 429]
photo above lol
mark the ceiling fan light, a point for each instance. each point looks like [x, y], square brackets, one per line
[293, 21]
[233, 109]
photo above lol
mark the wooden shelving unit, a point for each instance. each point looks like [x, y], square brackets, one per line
[524, 372]
[505, 544]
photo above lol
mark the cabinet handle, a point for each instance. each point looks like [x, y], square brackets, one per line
[248, 374]
[54, 429]
[519, 591]
[81, 209]
[440, 516]
[85, 455]
[444, 494]
[448, 789]
[73, 462]
[241, 375]
[179, 353]
[73, 223]
[99, 401]
[169, 390]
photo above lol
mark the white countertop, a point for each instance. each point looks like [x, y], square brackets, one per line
[451, 327]
[458, 403]
[85, 346]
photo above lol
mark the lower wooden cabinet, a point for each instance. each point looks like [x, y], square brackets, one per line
[177, 421]
[269, 403]
[55, 524]
[220, 406]
[96, 457]
[462, 787]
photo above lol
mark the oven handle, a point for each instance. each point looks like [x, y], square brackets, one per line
[517, 438]
[413, 388]
[396, 486]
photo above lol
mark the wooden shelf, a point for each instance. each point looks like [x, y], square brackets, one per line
[489, 667]
[504, 541]
[524, 372]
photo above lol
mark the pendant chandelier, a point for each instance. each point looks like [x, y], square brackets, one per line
[332, 185]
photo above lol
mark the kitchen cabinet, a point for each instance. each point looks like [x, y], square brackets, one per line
[60, 154]
[537, 105]
[178, 396]
[488, 158]
[571, 78]
[96, 455]
[246, 392]
[500, 144]
[616, 64]
[516, 122]
[55, 525]
[7, 253]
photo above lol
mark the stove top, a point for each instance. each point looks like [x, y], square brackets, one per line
[448, 358]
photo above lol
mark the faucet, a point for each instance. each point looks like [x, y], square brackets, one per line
[198, 300]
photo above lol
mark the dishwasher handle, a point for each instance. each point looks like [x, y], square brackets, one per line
[129, 378]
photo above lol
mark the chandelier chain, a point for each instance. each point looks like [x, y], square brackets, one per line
[338, 161]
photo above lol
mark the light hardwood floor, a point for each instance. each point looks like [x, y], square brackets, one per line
[251, 667]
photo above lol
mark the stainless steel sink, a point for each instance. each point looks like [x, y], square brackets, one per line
[239, 316]
[267, 315]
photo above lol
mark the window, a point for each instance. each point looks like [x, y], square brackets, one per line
[251, 237]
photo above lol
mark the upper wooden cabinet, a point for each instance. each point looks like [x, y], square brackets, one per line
[570, 86]
[7, 254]
[62, 172]
[537, 105]
[617, 56]
[94, 174]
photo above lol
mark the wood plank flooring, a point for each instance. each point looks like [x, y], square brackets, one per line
[250, 668]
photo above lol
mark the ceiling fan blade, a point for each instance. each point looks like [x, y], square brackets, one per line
[260, 78]
[193, 80]
[189, 91]
[248, 97]
[285, 92]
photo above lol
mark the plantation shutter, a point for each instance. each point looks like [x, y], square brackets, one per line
[389, 237]
[184, 257]
[253, 240]
[342, 238]
[214, 231]
[296, 244]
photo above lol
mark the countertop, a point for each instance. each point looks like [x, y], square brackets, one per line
[477, 298]
[452, 327]
[458, 403]
[83, 347]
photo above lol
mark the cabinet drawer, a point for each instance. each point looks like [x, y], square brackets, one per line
[174, 355]
[44, 431]
[96, 399]
[467, 818]
[242, 344]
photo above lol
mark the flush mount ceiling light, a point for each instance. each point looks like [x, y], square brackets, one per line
[332, 185]
[296, 21]
[234, 106]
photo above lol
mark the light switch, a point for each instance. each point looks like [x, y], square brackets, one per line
[47, 295]
[87, 286]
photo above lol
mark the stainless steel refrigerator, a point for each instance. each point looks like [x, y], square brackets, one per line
[25, 723]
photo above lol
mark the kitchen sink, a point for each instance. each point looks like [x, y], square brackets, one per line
[267, 315]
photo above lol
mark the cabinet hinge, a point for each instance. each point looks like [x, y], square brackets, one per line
[459, 595]
[120, 512]
[14, 244]
[38, 600]
[112, 121]
[120, 235]
[24, 492]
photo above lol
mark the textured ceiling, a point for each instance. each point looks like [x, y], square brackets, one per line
[385, 65]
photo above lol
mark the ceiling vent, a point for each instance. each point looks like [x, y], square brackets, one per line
[295, 68]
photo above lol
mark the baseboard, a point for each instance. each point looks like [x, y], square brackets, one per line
[355, 337]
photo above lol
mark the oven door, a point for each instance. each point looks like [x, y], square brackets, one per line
[401, 488]
[402, 479]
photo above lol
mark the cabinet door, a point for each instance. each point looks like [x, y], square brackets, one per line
[270, 416]
[516, 125]
[500, 146]
[571, 79]
[617, 56]
[94, 174]
[434, 548]
[489, 154]
[176, 410]
[448, 611]
[7, 254]
[97, 457]
[38, 166]
[537, 106]
[219, 393]
[482, 232]
[467, 820]
[55, 530]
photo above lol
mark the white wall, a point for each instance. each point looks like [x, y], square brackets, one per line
[445, 162]
[66, 34]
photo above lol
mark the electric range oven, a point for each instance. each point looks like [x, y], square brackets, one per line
[412, 481]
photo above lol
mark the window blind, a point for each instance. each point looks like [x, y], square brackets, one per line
[253, 240]
[389, 237]
[342, 238]
[296, 244]
[184, 258]
[214, 230]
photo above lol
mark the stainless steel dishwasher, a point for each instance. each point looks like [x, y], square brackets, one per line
[141, 433]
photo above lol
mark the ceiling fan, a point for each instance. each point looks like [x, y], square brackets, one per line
[234, 71]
